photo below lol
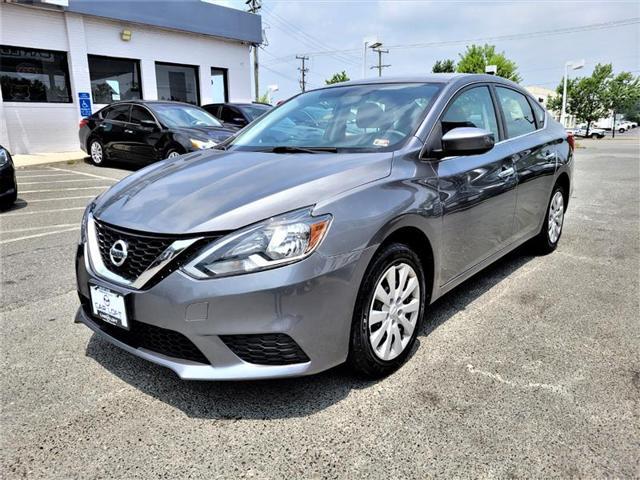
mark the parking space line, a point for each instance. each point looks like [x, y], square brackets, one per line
[42, 211]
[11, 240]
[84, 173]
[47, 182]
[60, 198]
[31, 229]
[42, 176]
[64, 189]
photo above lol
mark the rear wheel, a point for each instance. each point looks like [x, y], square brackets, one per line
[96, 151]
[388, 312]
[594, 136]
[549, 236]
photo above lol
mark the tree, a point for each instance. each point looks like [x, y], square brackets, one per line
[338, 78]
[621, 94]
[477, 57]
[444, 66]
[264, 98]
[586, 96]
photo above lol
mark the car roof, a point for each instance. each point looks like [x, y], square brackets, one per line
[443, 78]
[152, 102]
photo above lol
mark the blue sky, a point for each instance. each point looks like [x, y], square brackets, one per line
[312, 27]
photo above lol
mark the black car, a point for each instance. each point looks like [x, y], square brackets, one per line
[147, 131]
[237, 115]
[8, 184]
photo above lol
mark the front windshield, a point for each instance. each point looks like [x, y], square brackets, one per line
[177, 116]
[254, 111]
[351, 118]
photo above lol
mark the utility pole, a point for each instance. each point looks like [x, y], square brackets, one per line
[380, 66]
[303, 72]
[254, 7]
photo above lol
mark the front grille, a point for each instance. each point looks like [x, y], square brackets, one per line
[156, 339]
[142, 250]
[266, 349]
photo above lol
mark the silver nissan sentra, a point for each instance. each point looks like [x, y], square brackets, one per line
[321, 233]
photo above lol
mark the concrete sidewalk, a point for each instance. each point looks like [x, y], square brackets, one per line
[41, 158]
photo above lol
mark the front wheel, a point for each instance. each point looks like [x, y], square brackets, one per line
[595, 136]
[388, 313]
[173, 152]
[549, 236]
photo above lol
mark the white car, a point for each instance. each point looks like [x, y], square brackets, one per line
[593, 132]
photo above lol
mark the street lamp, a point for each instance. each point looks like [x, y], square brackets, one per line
[574, 65]
[364, 55]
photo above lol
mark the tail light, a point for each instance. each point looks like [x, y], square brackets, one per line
[83, 123]
[572, 141]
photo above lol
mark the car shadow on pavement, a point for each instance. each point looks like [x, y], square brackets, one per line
[19, 204]
[285, 398]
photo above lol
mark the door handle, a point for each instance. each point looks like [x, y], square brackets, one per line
[506, 172]
[549, 155]
[128, 131]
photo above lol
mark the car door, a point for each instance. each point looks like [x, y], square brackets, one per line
[112, 131]
[144, 135]
[533, 149]
[478, 192]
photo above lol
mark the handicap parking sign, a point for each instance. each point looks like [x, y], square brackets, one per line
[85, 104]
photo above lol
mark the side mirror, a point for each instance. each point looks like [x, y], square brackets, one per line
[466, 141]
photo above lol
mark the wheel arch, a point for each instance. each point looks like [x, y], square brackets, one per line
[564, 181]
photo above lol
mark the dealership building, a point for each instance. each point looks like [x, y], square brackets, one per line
[62, 59]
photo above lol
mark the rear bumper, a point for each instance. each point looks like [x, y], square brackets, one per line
[310, 301]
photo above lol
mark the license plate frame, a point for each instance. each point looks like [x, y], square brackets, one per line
[109, 306]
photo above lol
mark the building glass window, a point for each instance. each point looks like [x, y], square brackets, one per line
[177, 82]
[33, 75]
[219, 89]
[114, 79]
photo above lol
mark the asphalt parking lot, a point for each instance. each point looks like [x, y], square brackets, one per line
[530, 369]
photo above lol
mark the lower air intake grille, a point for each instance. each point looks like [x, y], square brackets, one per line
[266, 349]
[156, 339]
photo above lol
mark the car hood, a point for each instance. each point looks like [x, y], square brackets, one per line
[213, 191]
[203, 133]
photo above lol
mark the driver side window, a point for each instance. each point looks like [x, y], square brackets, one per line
[472, 108]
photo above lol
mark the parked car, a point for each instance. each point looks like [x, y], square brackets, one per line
[287, 251]
[237, 115]
[623, 126]
[147, 131]
[593, 132]
[8, 184]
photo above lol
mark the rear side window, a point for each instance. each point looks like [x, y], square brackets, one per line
[472, 108]
[227, 114]
[517, 112]
[119, 113]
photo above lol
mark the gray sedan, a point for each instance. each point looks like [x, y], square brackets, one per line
[321, 233]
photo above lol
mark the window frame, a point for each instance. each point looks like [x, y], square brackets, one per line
[136, 60]
[197, 75]
[496, 112]
[67, 76]
[535, 104]
[113, 107]
[148, 110]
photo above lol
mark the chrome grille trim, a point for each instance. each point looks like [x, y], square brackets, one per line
[94, 262]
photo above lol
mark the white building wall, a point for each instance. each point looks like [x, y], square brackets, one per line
[51, 127]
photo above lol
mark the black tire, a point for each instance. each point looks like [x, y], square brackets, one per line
[173, 151]
[98, 159]
[361, 358]
[595, 136]
[8, 202]
[621, 130]
[543, 244]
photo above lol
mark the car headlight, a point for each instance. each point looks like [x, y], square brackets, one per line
[201, 144]
[278, 241]
[4, 157]
[85, 219]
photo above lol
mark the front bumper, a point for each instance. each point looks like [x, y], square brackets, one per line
[310, 301]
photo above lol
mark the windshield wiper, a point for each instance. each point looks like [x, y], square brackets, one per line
[293, 149]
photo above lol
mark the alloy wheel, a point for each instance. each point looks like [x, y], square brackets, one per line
[173, 154]
[394, 311]
[556, 216]
[96, 152]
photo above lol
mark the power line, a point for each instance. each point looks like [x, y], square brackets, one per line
[517, 36]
